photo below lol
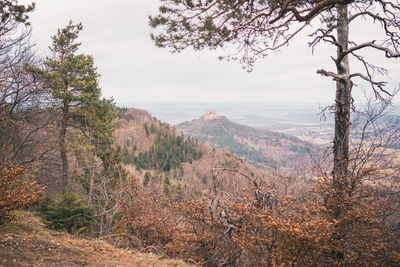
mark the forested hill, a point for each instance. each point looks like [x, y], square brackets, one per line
[263, 148]
[165, 158]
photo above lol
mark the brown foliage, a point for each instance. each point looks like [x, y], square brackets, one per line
[203, 234]
[360, 212]
[306, 233]
[288, 232]
[146, 216]
[339, 224]
[190, 230]
[17, 192]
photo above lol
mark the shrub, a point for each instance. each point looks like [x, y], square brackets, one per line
[66, 213]
[329, 227]
[146, 215]
[16, 191]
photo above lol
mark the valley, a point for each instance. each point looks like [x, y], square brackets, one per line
[116, 153]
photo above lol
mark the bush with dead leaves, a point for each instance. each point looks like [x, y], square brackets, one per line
[17, 192]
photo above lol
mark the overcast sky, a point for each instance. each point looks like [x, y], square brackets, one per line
[133, 70]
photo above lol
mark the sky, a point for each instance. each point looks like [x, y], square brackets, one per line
[133, 70]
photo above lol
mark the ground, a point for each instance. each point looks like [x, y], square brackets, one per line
[25, 242]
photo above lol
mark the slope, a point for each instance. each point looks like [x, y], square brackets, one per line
[25, 242]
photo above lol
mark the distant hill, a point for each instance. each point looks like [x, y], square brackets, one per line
[263, 148]
[163, 157]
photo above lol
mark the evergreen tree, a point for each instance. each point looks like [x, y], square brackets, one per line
[73, 83]
[66, 213]
[11, 9]
[168, 152]
[146, 179]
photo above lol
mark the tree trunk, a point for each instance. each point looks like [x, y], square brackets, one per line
[342, 129]
[91, 184]
[343, 99]
[63, 151]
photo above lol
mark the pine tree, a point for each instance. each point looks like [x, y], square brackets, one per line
[11, 9]
[258, 27]
[73, 83]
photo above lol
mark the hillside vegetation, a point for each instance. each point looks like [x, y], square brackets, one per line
[25, 241]
[163, 157]
[101, 172]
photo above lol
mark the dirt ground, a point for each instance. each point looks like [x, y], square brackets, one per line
[25, 242]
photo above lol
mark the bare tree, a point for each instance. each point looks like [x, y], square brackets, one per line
[374, 145]
[21, 98]
[26, 125]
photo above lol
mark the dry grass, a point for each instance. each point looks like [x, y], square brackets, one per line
[25, 242]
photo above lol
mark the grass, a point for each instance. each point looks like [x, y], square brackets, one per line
[25, 242]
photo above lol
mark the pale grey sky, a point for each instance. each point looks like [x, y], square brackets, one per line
[133, 70]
